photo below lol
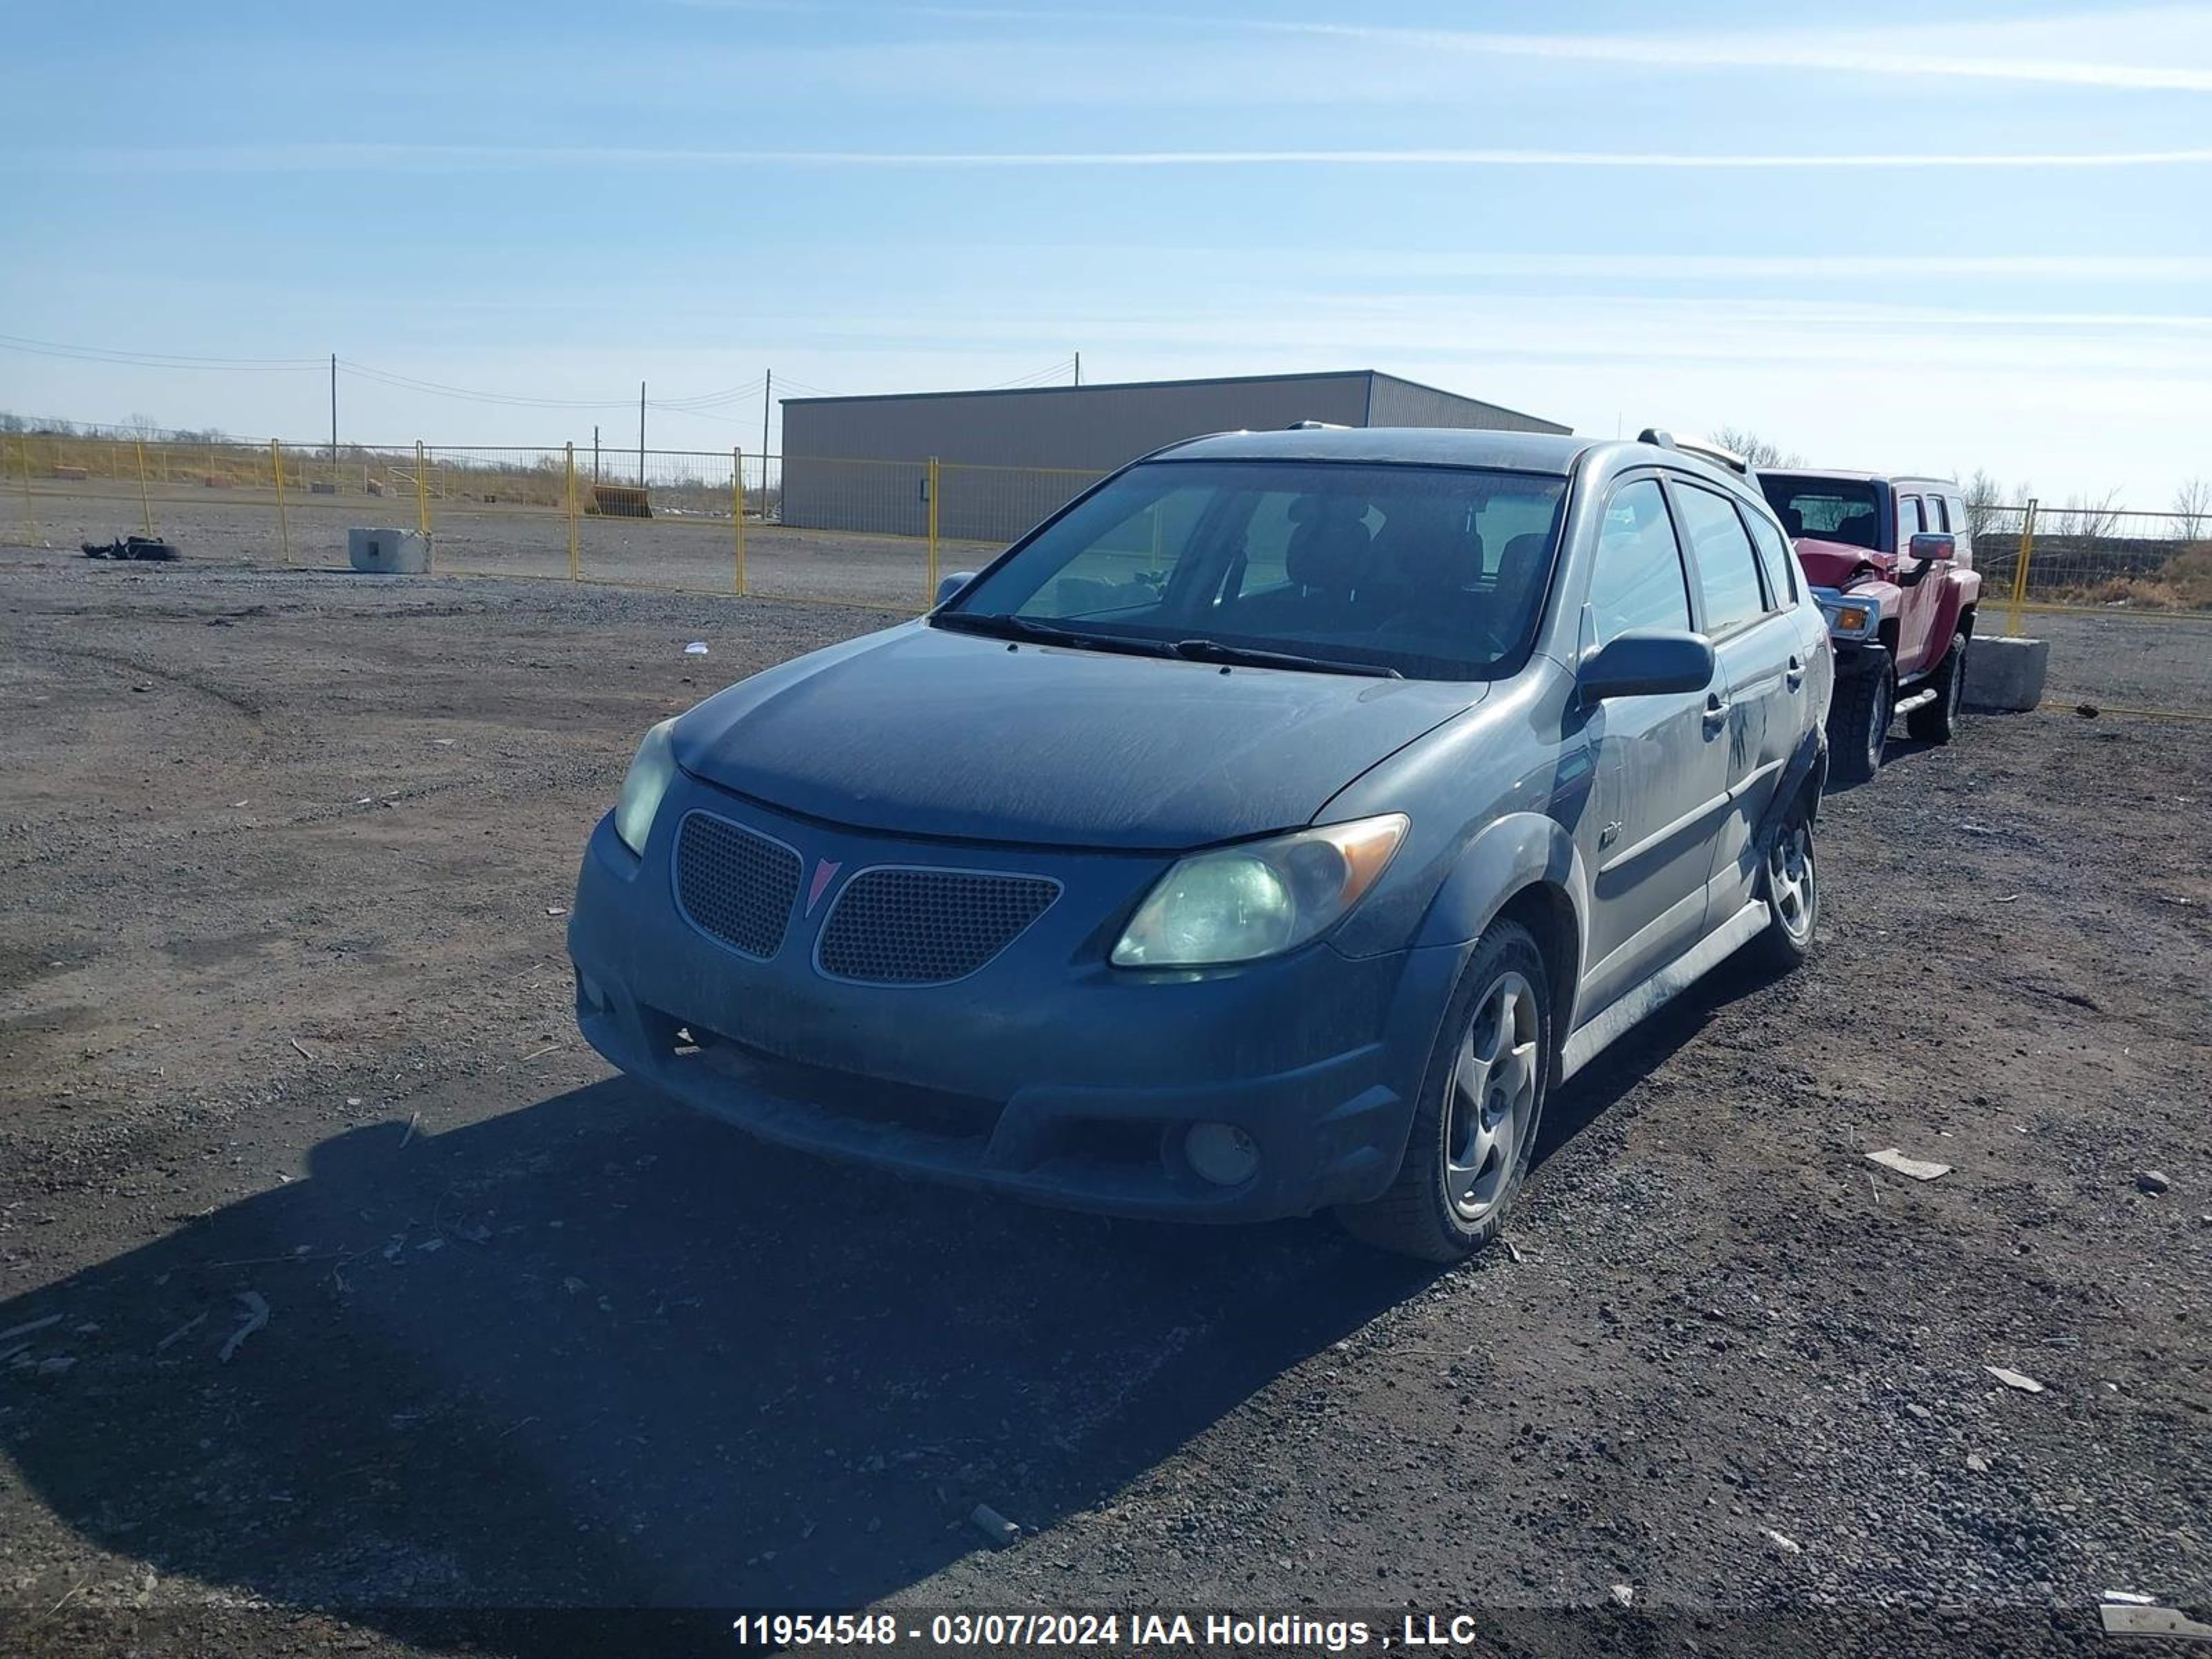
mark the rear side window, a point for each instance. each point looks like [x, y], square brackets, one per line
[1728, 574]
[1942, 513]
[1910, 520]
[1637, 579]
[1776, 559]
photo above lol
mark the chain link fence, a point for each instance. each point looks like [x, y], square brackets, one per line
[2126, 597]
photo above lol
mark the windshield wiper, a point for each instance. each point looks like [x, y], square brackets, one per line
[1221, 651]
[1004, 627]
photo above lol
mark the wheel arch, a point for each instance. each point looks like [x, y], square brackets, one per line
[1523, 867]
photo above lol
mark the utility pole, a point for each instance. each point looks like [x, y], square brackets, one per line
[1079, 369]
[641, 434]
[767, 393]
[595, 452]
[334, 413]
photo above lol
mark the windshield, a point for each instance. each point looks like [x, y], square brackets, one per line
[1430, 572]
[1844, 510]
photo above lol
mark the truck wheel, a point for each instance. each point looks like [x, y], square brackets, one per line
[1791, 885]
[1858, 725]
[1481, 1100]
[1938, 721]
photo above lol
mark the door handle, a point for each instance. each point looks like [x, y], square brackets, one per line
[1717, 708]
[1796, 677]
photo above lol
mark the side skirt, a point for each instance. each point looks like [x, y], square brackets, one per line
[1663, 986]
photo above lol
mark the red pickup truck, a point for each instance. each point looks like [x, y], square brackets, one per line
[1891, 563]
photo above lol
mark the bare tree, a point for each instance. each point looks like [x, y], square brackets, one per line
[2088, 517]
[1754, 449]
[141, 427]
[2193, 505]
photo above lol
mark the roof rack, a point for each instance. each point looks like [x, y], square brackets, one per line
[1316, 426]
[1706, 450]
[1658, 437]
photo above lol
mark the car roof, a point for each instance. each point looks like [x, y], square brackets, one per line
[1816, 473]
[1526, 451]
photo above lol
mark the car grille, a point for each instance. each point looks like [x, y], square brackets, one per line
[736, 886]
[895, 927]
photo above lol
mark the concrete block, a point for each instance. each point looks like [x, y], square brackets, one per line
[389, 552]
[2006, 674]
[71, 474]
[322, 487]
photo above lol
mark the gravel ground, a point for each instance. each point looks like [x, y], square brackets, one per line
[285, 1025]
[698, 555]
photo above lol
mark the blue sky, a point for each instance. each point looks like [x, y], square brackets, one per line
[1948, 235]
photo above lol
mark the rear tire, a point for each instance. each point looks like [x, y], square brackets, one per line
[1938, 721]
[1789, 882]
[1482, 1100]
[1858, 725]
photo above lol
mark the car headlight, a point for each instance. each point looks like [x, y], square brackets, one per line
[1239, 903]
[646, 781]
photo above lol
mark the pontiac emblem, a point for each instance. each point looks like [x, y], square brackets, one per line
[825, 873]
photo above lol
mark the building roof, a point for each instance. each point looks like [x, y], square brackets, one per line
[1527, 452]
[1149, 386]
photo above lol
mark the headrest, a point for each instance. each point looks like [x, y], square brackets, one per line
[1329, 542]
[1431, 545]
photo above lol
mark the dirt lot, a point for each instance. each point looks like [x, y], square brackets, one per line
[285, 1025]
[696, 554]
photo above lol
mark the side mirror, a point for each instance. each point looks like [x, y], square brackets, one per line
[1644, 662]
[948, 586]
[1934, 544]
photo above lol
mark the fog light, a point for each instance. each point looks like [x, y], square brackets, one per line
[1222, 1153]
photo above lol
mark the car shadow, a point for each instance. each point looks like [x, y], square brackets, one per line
[599, 1352]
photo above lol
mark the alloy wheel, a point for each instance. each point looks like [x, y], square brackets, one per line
[1492, 1102]
[1789, 880]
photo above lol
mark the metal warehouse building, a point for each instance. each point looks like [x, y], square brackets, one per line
[1007, 459]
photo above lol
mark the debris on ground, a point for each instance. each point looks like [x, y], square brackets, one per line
[13, 1331]
[257, 1318]
[556, 909]
[2088, 711]
[2137, 1618]
[1623, 1595]
[994, 1526]
[2012, 1379]
[2153, 1182]
[1890, 1158]
[181, 1332]
[1782, 1543]
[696, 649]
[151, 549]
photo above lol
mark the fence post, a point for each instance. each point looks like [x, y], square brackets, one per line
[421, 492]
[568, 494]
[145, 501]
[737, 508]
[284, 521]
[30, 515]
[929, 596]
[2020, 575]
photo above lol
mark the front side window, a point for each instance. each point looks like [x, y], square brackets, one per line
[1430, 572]
[1845, 510]
[1728, 571]
[1637, 579]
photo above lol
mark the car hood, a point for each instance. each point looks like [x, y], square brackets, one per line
[1833, 564]
[922, 731]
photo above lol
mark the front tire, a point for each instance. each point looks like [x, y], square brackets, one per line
[1859, 725]
[1482, 1099]
[1938, 721]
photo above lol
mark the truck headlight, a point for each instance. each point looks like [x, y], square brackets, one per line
[646, 781]
[1240, 904]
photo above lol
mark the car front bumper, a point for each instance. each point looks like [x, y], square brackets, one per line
[1045, 1074]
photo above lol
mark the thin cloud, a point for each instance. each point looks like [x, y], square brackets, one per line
[1908, 51]
[371, 157]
